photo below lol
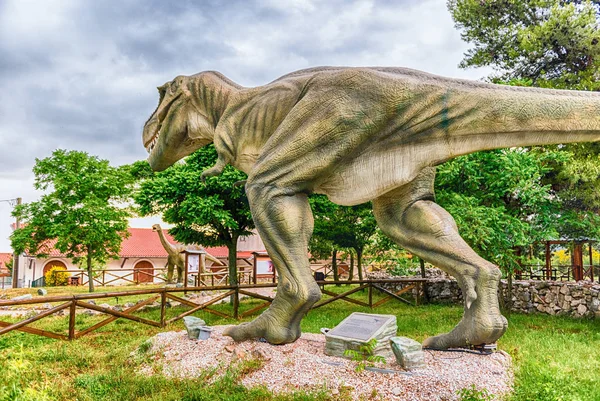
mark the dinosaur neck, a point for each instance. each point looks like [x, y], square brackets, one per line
[211, 94]
[492, 117]
[170, 248]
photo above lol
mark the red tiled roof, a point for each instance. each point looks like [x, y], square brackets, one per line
[143, 242]
[4, 258]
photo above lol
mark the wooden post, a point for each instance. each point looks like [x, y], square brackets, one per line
[548, 262]
[577, 261]
[185, 274]
[424, 287]
[591, 262]
[72, 312]
[163, 305]
[370, 295]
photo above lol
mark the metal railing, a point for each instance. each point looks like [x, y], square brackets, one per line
[73, 303]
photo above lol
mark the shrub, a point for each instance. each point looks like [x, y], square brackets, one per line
[56, 276]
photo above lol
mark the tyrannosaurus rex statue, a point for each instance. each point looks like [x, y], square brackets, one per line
[357, 135]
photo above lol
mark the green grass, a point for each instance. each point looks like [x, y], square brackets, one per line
[555, 358]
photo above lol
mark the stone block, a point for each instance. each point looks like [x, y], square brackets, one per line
[193, 325]
[582, 309]
[22, 297]
[357, 330]
[408, 352]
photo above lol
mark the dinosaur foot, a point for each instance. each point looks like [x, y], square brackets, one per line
[470, 332]
[280, 324]
[482, 322]
[265, 326]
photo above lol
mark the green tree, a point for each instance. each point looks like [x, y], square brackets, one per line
[545, 43]
[211, 213]
[81, 211]
[550, 43]
[344, 227]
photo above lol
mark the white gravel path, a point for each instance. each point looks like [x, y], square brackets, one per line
[303, 365]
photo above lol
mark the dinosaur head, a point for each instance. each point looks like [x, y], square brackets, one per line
[178, 126]
[156, 227]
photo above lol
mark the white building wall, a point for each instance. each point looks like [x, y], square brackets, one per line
[32, 269]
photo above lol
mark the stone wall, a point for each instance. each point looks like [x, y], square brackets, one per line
[578, 299]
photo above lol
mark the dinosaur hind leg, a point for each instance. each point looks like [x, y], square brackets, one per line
[179, 274]
[285, 224]
[409, 216]
[169, 273]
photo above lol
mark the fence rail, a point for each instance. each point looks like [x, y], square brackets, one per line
[164, 295]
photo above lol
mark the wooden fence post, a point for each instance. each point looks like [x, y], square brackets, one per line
[370, 295]
[163, 305]
[72, 311]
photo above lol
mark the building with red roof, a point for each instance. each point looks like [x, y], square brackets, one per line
[142, 259]
[5, 259]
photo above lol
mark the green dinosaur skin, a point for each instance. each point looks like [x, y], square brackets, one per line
[355, 135]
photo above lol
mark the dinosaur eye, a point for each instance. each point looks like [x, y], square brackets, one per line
[174, 85]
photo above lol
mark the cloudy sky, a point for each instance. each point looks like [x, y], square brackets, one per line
[83, 74]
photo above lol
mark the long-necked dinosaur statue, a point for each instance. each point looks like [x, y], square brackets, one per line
[357, 135]
[176, 257]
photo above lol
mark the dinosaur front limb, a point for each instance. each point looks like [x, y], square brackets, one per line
[423, 227]
[285, 224]
[215, 170]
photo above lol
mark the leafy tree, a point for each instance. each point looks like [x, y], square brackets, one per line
[81, 211]
[551, 43]
[545, 43]
[213, 213]
[344, 227]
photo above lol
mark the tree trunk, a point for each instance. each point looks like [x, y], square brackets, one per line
[334, 265]
[89, 269]
[232, 247]
[351, 273]
[359, 263]
[232, 261]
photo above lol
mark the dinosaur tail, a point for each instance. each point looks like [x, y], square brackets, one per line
[494, 116]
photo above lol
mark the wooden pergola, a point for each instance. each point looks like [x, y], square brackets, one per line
[577, 266]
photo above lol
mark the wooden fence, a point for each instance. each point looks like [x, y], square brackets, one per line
[163, 295]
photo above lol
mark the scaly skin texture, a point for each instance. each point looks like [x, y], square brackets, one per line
[360, 134]
[176, 257]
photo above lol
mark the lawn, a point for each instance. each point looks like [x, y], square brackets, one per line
[555, 358]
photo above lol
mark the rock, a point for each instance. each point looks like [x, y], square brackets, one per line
[22, 297]
[261, 355]
[129, 305]
[230, 348]
[118, 308]
[408, 352]
[47, 306]
[105, 306]
[238, 355]
[42, 291]
[595, 305]
[179, 285]
[582, 309]
[357, 330]
[397, 391]
[92, 302]
[193, 325]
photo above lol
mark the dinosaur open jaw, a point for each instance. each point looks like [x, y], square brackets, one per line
[152, 143]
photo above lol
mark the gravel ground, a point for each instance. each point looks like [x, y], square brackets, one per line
[304, 365]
